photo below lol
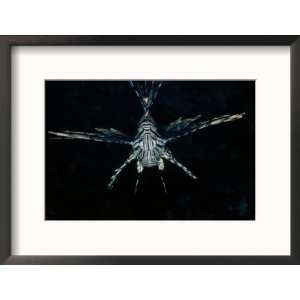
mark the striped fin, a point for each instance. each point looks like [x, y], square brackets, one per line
[146, 91]
[183, 127]
[102, 135]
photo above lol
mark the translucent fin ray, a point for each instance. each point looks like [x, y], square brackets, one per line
[102, 135]
[146, 91]
[183, 127]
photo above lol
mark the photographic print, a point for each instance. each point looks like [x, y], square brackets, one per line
[150, 150]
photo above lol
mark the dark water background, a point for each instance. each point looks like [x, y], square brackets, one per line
[223, 157]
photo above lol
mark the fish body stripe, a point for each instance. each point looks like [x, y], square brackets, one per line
[148, 145]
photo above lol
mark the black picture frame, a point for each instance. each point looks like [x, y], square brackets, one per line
[6, 44]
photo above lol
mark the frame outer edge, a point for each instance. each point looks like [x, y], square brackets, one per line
[295, 150]
[151, 40]
[5, 151]
[5, 144]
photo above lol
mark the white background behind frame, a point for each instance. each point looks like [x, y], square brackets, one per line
[269, 234]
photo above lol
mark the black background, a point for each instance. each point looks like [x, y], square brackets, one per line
[223, 157]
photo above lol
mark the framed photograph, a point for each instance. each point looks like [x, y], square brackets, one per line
[149, 149]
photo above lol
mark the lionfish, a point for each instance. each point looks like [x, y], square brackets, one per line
[149, 147]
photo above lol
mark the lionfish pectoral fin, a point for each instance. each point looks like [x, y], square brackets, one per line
[183, 127]
[119, 170]
[168, 156]
[102, 135]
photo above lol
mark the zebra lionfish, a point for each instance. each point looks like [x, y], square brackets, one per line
[149, 147]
